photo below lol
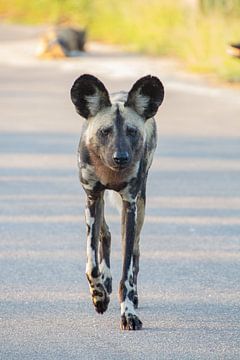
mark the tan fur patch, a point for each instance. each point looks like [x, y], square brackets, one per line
[114, 179]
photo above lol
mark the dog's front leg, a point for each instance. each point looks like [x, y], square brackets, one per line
[94, 218]
[129, 319]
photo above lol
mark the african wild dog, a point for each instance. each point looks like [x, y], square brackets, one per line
[61, 41]
[115, 152]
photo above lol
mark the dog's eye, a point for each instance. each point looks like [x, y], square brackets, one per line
[131, 131]
[105, 131]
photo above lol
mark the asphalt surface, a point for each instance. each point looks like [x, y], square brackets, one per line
[190, 269]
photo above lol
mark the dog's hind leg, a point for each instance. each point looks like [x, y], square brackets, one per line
[94, 221]
[104, 252]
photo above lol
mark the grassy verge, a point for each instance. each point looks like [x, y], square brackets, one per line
[197, 37]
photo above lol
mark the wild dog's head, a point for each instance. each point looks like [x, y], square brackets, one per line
[116, 129]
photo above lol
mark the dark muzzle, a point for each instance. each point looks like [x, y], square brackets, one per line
[121, 157]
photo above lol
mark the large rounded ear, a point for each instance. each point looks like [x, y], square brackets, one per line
[146, 96]
[89, 95]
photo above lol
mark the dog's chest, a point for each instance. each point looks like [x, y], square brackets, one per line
[98, 174]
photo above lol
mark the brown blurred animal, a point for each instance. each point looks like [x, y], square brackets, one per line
[61, 42]
[234, 50]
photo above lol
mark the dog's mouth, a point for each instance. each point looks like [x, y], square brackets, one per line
[115, 166]
[119, 167]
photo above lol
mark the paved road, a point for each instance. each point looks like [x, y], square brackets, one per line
[189, 279]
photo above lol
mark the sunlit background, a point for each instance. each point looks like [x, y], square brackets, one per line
[189, 292]
[197, 32]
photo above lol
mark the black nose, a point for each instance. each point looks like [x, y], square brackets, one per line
[121, 157]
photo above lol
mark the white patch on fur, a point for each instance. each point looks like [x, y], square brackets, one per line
[120, 96]
[149, 128]
[115, 199]
[149, 133]
[141, 102]
[90, 259]
[91, 263]
[93, 103]
[89, 219]
[104, 270]
[79, 158]
[127, 306]
[88, 174]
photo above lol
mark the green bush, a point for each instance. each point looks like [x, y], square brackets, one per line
[198, 36]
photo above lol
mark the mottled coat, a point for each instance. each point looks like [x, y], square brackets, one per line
[115, 152]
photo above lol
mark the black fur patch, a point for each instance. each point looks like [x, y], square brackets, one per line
[119, 119]
[98, 187]
[97, 293]
[108, 285]
[95, 191]
[150, 87]
[135, 301]
[84, 153]
[95, 272]
[131, 322]
[129, 214]
[143, 190]
[88, 230]
[122, 291]
[131, 295]
[116, 187]
[120, 140]
[87, 85]
[135, 183]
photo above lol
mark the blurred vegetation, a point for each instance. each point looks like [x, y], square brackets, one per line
[197, 32]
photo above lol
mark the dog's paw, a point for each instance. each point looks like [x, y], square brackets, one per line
[130, 322]
[100, 299]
